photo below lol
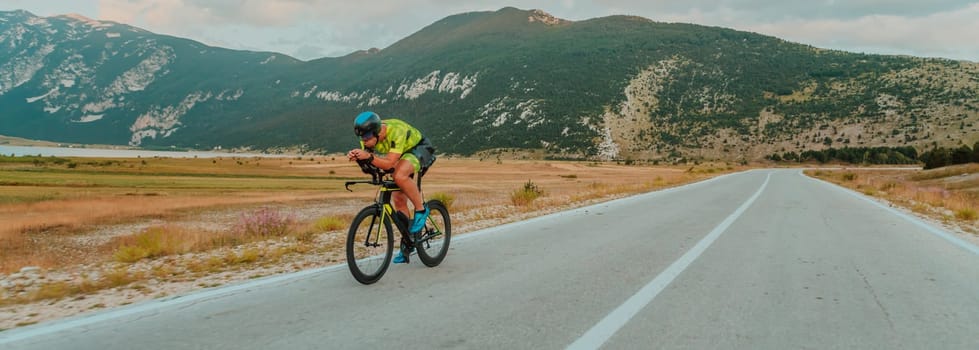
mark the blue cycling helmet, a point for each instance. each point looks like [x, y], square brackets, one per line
[367, 123]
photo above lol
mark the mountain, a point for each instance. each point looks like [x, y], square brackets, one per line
[616, 87]
[70, 78]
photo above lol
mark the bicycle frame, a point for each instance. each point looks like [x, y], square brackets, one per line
[383, 197]
[388, 210]
[382, 213]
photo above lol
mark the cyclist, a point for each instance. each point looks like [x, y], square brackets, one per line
[402, 148]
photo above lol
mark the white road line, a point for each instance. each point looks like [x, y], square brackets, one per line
[931, 229]
[608, 326]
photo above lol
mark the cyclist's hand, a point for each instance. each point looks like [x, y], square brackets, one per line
[358, 154]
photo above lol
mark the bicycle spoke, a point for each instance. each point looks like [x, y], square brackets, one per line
[434, 243]
[369, 246]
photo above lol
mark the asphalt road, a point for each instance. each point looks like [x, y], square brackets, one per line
[765, 259]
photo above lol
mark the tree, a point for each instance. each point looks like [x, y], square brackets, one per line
[790, 156]
[937, 158]
[962, 155]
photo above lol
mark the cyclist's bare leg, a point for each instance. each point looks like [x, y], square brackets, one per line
[400, 202]
[402, 177]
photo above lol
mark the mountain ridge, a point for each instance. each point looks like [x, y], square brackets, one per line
[616, 87]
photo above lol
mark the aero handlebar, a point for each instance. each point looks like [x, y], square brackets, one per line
[377, 175]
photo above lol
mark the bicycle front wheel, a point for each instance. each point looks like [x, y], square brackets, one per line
[433, 244]
[370, 244]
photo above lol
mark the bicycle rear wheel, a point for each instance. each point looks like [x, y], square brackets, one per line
[433, 244]
[370, 244]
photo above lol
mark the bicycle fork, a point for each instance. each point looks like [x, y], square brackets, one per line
[370, 240]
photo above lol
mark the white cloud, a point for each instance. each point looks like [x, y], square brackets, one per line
[329, 26]
[934, 29]
[769, 10]
[949, 34]
[50, 8]
[310, 28]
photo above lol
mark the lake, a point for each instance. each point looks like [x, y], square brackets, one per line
[120, 153]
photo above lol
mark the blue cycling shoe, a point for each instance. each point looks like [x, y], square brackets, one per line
[400, 258]
[403, 254]
[418, 222]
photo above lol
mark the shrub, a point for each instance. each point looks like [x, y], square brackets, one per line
[118, 277]
[263, 223]
[306, 236]
[966, 214]
[152, 242]
[249, 256]
[130, 254]
[53, 290]
[445, 198]
[330, 223]
[527, 194]
[890, 185]
[849, 176]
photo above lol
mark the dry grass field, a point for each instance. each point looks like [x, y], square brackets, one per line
[949, 195]
[44, 202]
[100, 217]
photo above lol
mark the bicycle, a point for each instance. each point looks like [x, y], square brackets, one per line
[370, 240]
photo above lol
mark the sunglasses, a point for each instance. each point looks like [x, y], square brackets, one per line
[366, 136]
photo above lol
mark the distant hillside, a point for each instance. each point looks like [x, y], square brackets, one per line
[616, 87]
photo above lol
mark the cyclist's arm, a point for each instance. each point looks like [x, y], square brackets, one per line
[398, 138]
[388, 161]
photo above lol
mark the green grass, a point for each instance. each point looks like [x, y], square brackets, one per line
[25, 180]
[33, 160]
[28, 198]
[33, 185]
[81, 179]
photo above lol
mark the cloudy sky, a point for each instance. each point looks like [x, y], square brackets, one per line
[308, 29]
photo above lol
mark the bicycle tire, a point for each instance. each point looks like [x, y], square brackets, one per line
[368, 260]
[436, 235]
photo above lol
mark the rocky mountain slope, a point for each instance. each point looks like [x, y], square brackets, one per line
[616, 87]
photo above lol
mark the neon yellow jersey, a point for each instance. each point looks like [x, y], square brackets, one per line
[400, 137]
